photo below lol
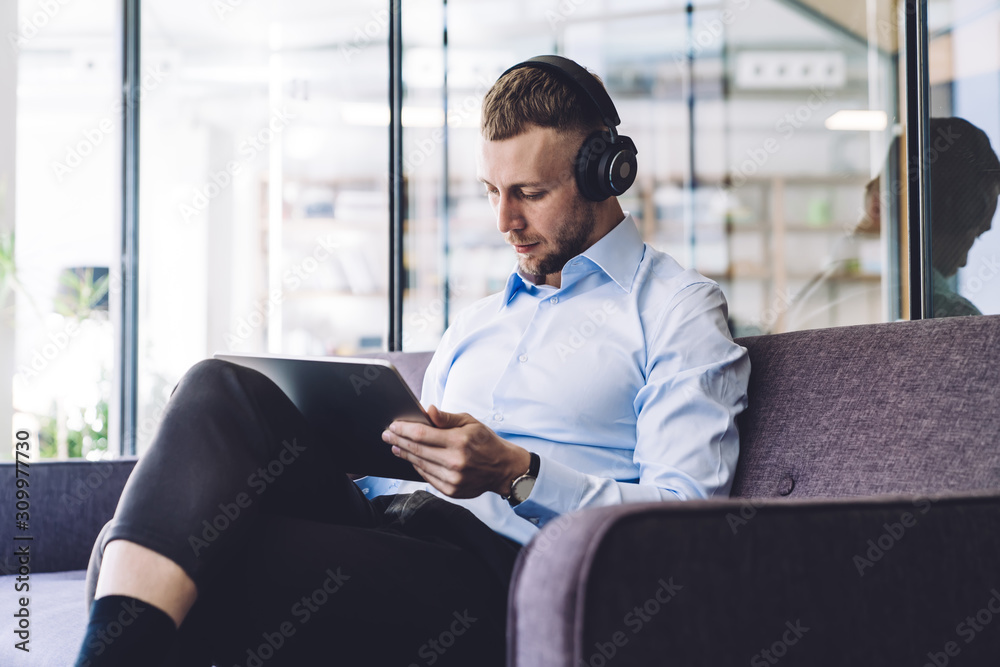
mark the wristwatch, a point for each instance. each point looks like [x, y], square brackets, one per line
[521, 487]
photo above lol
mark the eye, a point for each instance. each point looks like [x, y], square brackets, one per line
[532, 195]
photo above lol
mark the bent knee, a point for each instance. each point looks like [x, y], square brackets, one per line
[212, 369]
[211, 366]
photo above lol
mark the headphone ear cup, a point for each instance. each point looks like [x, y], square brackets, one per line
[618, 166]
[589, 159]
[605, 168]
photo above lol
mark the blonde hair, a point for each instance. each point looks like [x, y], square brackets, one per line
[529, 96]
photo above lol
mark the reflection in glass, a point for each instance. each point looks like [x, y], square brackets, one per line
[965, 183]
[964, 76]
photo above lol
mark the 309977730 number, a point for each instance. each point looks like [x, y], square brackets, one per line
[22, 540]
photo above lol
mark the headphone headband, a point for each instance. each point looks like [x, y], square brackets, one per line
[605, 165]
[584, 81]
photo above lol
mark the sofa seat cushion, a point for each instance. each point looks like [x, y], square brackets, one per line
[58, 619]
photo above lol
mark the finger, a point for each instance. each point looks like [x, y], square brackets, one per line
[432, 471]
[438, 460]
[426, 477]
[423, 451]
[437, 417]
[439, 484]
[398, 442]
[414, 432]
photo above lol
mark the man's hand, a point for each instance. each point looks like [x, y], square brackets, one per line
[460, 456]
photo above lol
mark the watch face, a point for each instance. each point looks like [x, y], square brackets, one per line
[522, 487]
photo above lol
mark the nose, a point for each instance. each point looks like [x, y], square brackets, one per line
[509, 214]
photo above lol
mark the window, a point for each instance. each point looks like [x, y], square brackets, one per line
[263, 201]
[773, 137]
[760, 128]
[60, 197]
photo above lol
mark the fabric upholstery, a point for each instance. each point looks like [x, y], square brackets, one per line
[70, 502]
[58, 614]
[900, 408]
[688, 585]
[904, 407]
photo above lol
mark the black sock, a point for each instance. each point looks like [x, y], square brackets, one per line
[125, 631]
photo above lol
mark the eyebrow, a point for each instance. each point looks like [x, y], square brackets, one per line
[520, 186]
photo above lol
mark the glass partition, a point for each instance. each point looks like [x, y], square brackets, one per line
[760, 127]
[964, 135]
[771, 141]
[263, 190]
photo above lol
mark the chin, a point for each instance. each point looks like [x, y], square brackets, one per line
[528, 265]
[949, 271]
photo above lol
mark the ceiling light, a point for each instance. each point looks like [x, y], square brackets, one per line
[857, 119]
[361, 113]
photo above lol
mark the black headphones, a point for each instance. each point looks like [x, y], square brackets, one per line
[605, 164]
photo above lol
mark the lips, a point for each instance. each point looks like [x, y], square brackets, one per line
[524, 248]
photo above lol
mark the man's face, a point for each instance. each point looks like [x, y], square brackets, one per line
[531, 186]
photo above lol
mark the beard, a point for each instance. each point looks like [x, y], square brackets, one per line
[571, 238]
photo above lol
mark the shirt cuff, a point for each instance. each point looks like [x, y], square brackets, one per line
[558, 489]
[376, 486]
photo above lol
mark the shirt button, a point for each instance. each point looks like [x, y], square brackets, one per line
[523, 358]
[533, 520]
[554, 300]
[498, 417]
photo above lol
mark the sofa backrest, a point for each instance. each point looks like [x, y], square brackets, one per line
[69, 502]
[902, 407]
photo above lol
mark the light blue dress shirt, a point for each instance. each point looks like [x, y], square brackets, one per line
[624, 380]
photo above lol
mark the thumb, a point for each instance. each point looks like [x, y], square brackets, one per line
[442, 419]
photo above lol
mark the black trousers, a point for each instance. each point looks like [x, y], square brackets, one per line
[293, 564]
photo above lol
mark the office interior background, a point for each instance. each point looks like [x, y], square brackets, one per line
[263, 202]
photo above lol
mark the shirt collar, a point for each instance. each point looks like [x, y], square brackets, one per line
[617, 253]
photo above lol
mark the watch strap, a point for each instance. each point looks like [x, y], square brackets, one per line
[533, 467]
[536, 464]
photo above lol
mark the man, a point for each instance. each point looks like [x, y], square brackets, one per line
[603, 373]
[601, 354]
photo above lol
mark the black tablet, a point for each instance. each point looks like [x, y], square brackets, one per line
[349, 401]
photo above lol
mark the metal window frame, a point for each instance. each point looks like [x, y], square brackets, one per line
[397, 183]
[129, 332]
[917, 169]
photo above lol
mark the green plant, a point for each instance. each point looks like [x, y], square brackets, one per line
[8, 269]
[83, 294]
[9, 281]
[48, 436]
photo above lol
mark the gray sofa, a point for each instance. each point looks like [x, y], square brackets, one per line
[864, 526]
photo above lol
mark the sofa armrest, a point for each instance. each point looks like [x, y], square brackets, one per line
[70, 501]
[886, 580]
